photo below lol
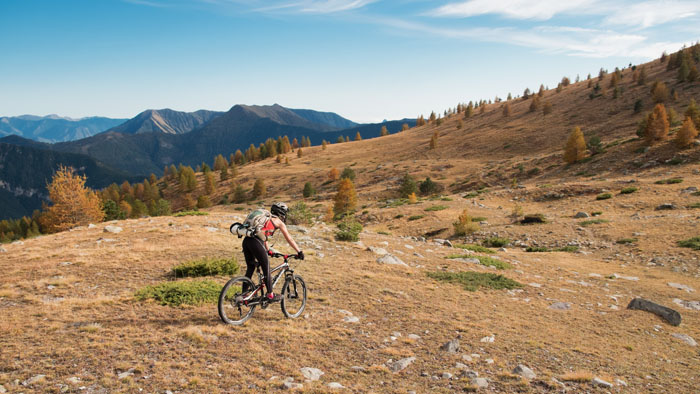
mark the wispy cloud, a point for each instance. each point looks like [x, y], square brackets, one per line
[514, 9]
[317, 6]
[147, 3]
[651, 13]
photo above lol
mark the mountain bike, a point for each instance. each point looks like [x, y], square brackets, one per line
[240, 296]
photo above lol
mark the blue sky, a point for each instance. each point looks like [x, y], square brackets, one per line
[367, 60]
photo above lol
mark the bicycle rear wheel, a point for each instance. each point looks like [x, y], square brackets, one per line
[235, 305]
[293, 296]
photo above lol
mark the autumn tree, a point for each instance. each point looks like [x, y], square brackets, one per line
[546, 108]
[433, 141]
[686, 135]
[358, 137]
[223, 174]
[299, 154]
[209, 183]
[420, 121]
[73, 203]
[295, 144]
[333, 174]
[188, 181]
[506, 109]
[383, 131]
[340, 140]
[324, 145]
[659, 92]
[259, 189]
[540, 93]
[575, 148]
[220, 163]
[345, 200]
[693, 112]
[238, 157]
[203, 202]
[656, 125]
[534, 104]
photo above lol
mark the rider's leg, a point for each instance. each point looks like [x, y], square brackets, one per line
[260, 253]
[249, 254]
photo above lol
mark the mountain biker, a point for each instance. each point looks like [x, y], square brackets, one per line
[256, 249]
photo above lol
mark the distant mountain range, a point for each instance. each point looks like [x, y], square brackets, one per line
[156, 138]
[54, 128]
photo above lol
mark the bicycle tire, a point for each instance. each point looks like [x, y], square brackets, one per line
[228, 304]
[293, 289]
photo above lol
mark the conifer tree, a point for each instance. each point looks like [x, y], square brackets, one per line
[223, 174]
[686, 135]
[73, 203]
[220, 162]
[540, 93]
[460, 124]
[565, 81]
[189, 202]
[239, 194]
[259, 189]
[286, 160]
[433, 141]
[657, 125]
[693, 74]
[383, 131]
[209, 183]
[188, 180]
[340, 140]
[279, 159]
[642, 77]
[347, 138]
[412, 199]
[295, 144]
[358, 137]
[693, 112]
[125, 209]
[420, 121]
[231, 160]
[324, 145]
[345, 200]
[534, 103]
[482, 109]
[575, 148]
[203, 201]
[334, 174]
[238, 157]
[432, 117]
[659, 92]
[405, 127]
[299, 154]
[308, 190]
[153, 179]
[506, 109]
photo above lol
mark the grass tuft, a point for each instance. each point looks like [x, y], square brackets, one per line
[626, 241]
[415, 217]
[593, 221]
[669, 181]
[496, 242]
[628, 190]
[475, 248]
[191, 213]
[491, 262]
[206, 267]
[694, 205]
[568, 248]
[693, 243]
[181, 292]
[472, 281]
[603, 196]
[435, 208]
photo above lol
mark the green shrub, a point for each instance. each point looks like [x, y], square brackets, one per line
[348, 230]
[429, 187]
[693, 243]
[181, 292]
[300, 213]
[191, 213]
[537, 249]
[470, 195]
[670, 181]
[625, 241]
[696, 194]
[628, 190]
[472, 281]
[309, 190]
[475, 248]
[399, 216]
[593, 221]
[568, 248]
[408, 186]
[491, 262]
[206, 267]
[533, 219]
[435, 208]
[348, 173]
[478, 219]
[496, 242]
[383, 232]
[415, 217]
[603, 196]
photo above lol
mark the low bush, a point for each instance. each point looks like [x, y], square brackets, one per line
[496, 242]
[533, 219]
[670, 181]
[181, 292]
[415, 217]
[536, 249]
[206, 267]
[491, 262]
[348, 230]
[475, 248]
[628, 190]
[435, 208]
[625, 241]
[593, 221]
[465, 224]
[693, 243]
[300, 213]
[694, 205]
[190, 213]
[603, 196]
[472, 281]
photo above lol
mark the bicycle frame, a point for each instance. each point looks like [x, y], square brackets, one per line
[284, 268]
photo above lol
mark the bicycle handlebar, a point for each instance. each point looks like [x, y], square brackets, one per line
[285, 256]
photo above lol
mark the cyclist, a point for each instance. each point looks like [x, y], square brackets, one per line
[256, 249]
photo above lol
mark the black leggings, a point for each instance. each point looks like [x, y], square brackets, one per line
[255, 253]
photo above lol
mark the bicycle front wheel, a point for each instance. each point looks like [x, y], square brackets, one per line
[237, 300]
[293, 296]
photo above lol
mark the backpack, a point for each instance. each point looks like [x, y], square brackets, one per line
[255, 221]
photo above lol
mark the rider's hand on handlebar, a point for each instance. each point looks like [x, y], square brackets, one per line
[300, 255]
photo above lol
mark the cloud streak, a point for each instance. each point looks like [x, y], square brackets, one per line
[317, 6]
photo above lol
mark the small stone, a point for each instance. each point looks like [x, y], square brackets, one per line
[481, 383]
[92, 225]
[451, 346]
[502, 249]
[681, 287]
[3, 250]
[525, 372]
[665, 207]
[212, 229]
[489, 361]
[467, 358]
[391, 259]
[537, 285]
[378, 251]
[488, 339]
[446, 375]
[468, 373]
[407, 246]
[600, 382]
[33, 379]
[335, 386]
[125, 374]
[632, 278]
[694, 305]
[459, 365]
[413, 337]
[357, 368]
[402, 364]
[65, 263]
[289, 384]
[311, 374]
[560, 306]
[621, 382]
[18, 243]
[685, 338]
[581, 215]
[351, 319]
[113, 229]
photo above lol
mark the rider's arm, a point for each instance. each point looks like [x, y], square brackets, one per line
[283, 228]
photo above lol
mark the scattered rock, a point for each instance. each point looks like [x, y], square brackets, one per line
[581, 215]
[300, 229]
[351, 319]
[488, 339]
[289, 384]
[357, 368]
[681, 287]
[378, 251]
[402, 364]
[691, 189]
[489, 361]
[443, 242]
[668, 314]
[92, 225]
[601, 383]
[335, 386]
[407, 246]
[467, 358]
[632, 278]
[685, 338]
[65, 263]
[451, 346]
[18, 243]
[560, 306]
[468, 373]
[621, 382]
[391, 259]
[113, 229]
[125, 374]
[665, 207]
[524, 372]
[33, 379]
[468, 260]
[311, 374]
[413, 337]
[446, 375]
[694, 305]
[481, 383]
[537, 285]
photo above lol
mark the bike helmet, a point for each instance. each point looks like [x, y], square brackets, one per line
[280, 210]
